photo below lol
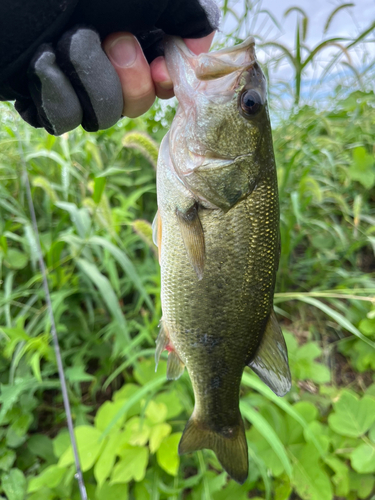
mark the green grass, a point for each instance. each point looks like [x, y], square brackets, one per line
[94, 196]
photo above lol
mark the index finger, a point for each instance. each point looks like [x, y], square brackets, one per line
[159, 72]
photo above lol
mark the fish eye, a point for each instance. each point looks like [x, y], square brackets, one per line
[251, 102]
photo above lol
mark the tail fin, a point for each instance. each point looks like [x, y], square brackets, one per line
[228, 443]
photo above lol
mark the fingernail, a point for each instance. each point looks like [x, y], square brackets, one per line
[123, 51]
[168, 85]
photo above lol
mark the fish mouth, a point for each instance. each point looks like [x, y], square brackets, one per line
[212, 65]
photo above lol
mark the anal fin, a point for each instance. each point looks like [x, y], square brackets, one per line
[270, 362]
[193, 237]
[175, 367]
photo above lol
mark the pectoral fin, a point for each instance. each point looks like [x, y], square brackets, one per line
[193, 236]
[271, 359]
[156, 231]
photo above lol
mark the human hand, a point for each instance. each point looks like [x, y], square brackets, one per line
[141, 82]
[69, 80]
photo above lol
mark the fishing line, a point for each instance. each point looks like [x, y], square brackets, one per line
[78, 475]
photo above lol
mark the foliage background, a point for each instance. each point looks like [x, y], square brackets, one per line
[94, 196]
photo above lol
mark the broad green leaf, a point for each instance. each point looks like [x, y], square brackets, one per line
[132, 465]
[156, 412]
[135, 398]
[341, 477]
[15, 259]
[106, 413]
[352, 416]
[14, 484]
[363, 458]
[50, 478]
[7, 458]
[261, 424]
[112, 492]
[78, 374]
[363, 167]
[136, 432]
[172, 401]
[106, 459]
[89, 445]
[41, 446]
[61, 443]
[42, 494]
[145, 370]
[167, 454]
[362, 484]
[157, 434]
[309, 478]
[258, 385]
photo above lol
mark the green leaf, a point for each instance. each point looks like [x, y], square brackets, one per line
[352, 417]
[167, 454]
[145, 370]
[89, 445]
[261, 424]
[156, 413]
[172, 401]
[106, 291]
[341, 477]
[309, 479]
[258, 385]
[99, 185]
[136, 432]
[362, 484]
[112, 492]
[41, 446]
[107, 412]
[77, 374]
[126, 264]
[61, 443]
[132, 465]
[135, 398]
[106, 459]
[15, 259]
[50, 477]
[7, 458]
[363, 167]
[363, 458]
[158, 433]
[14, 484]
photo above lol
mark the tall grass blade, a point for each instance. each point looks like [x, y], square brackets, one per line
[264, 428]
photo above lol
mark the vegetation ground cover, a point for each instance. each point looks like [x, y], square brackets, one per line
[95, 198]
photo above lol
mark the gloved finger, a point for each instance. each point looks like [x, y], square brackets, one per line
[93, 77]
[159, 72]
[58, 108]
[126, 55]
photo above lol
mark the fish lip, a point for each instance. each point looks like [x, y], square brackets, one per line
[181, 45]
[200, 63]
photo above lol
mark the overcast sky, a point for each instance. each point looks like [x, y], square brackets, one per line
[348, 22]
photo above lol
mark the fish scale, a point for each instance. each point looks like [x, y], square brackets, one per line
[218, 238]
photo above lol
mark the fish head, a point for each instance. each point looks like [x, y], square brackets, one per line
[222, 99]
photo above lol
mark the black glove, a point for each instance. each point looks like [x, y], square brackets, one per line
[52, 63]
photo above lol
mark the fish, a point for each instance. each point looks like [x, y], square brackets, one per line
[218, 238]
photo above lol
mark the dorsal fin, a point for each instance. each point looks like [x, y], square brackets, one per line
[270, 362]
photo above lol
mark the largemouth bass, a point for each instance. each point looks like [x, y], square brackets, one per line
[217, 230]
